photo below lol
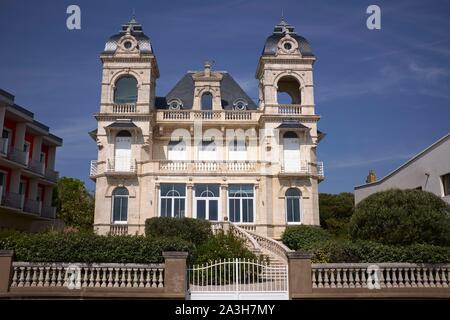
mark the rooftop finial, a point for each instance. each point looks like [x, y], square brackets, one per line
[133, 16]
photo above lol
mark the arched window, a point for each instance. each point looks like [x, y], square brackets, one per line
[125, 90]
[122, 152]
[172, 200]
[120, 205]
[207, 101]
[176, 150]
[291, 152]
[293, 209]
[288, 91]
[237, 150]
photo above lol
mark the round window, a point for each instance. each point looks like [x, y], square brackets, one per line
[240, 105]
[127, 44]
[287, 46]
[174, 105]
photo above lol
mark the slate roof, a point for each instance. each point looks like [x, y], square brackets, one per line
[230, 92]
[271, 45]
[144, 44]
[126, 124]
[292, 124]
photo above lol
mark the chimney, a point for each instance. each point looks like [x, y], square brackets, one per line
[207, 69]
[371, 177]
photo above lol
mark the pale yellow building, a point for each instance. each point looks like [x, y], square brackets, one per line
[207, 150]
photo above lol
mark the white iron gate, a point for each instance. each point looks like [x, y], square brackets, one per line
[238, 279]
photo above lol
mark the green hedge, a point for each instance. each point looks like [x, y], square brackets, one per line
[336, 251]
[193, 230]
[222, 246]
[402, 217]
[303, 236]
[88, 247]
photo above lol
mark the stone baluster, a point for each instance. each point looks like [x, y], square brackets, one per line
[34, 277]
[357, 279]
[332, 278]
[425, 278]
[135, 278]
[97, 278]
[129, 284]
[59, 279]
[104, 280]
[325, 281]
[344, 277]
[116, 277]
[413, 277]
[320, 278]
[148, 281]
[110, 277]
[313, 275]
[141, 278]
[437, 278]
[15, 277]
[431, 277]
[161, 278]
[154, 279]
[47, 277]
[363, 278]
[406, 278]
[388, 278]
[339, 280]
[351, 279]
[123, 282]
[394, 278]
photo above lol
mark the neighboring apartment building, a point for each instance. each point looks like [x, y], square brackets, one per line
[429, 171]
[27, 168]
[206, 150]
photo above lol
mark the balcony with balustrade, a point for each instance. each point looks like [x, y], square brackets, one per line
[36, 166]
[32, 206]
[13, 200]
[51, 175]
[305, 168]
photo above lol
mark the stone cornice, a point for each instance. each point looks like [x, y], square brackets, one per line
[113, 117]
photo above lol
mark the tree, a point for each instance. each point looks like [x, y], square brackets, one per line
[335, 211]
[74, 203]
[402, 217]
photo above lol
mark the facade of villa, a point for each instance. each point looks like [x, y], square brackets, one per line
[27, 169]
[206, 150]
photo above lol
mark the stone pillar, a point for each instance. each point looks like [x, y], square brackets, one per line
[19, 138]
[189, 200]
[6, 269]
[175, 273]
[37, 148]
[156, 200]
[32, 189]
[299, 266]
[15, 181]
[224, 195]
[48, 195]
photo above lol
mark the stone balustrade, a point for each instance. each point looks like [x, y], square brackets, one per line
[38, 274]
[207, 115]
[388, 275]
[273, 246]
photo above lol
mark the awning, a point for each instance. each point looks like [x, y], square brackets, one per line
[293, 125]
[125, 124]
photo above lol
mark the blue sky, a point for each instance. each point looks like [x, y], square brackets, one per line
[383, 95]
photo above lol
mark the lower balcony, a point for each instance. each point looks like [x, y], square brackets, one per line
[51, 175]
[32, 206]
[13, 200]
[48, 212]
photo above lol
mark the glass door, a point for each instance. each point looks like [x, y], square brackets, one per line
[207, 201]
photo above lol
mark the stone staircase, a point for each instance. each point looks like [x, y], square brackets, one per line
[261, 245]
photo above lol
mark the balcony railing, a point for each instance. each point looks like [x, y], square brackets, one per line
[36, 167]
[210, 115]
[93, 168]
[51, 175]
[320, 170]
[208, 166]
[124, 108]
[19, 156]
[13, 200]
[4, 143]
[48, 212]
[289, 109]
[306, 168]
[32, 206]
[121, 165]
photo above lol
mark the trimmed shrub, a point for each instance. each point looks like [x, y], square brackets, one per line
[304, 237]
[335, 212]
[347, 251]
[193, 230]
[88, 247]
[222, 246]
[402, 217]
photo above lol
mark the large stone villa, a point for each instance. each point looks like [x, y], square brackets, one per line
[206, 150]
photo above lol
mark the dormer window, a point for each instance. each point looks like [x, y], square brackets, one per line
[240, 105]
[175, 104]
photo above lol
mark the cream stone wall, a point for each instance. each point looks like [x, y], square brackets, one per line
[262, 167]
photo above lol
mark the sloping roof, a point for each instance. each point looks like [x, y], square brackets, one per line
[292, 124]
[230, 92]
[125, 124]
[407, 163]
